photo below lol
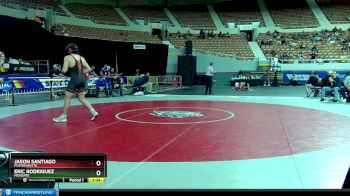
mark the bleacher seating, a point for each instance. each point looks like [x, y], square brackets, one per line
[111, 34]
[337, 11]
[286, 14]
[98, 13]
[193, 16]
[52, 4]
[146, 13]
[239, 12]
[234, 46]
[302, 43]
[291, 14]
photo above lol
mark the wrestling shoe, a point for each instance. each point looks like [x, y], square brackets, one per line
[61, 118]
[94, 115]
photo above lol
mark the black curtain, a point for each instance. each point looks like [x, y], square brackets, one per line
[27, 40]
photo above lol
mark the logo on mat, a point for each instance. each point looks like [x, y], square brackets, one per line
[176, 114]
[8, 191]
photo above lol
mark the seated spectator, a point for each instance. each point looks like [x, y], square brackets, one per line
[279, 42]
[345, 91]
[202, 34]
[344, 47]
[148, 85]
[117, 83]
[313, 81]
[56, 71]
[102, 84]
[313, 56]
[317, 38]
[331, 84]
[143, 81]
[106, 70]
[300, 59]
[270, 42]
[314, 49]
[211, 34]
[325, 81]
[220, 34]
[284, 41]
[275, 34]
[273, 52]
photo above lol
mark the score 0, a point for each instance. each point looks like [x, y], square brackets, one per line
[98, 163]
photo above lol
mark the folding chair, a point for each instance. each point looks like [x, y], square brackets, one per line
[315, 91]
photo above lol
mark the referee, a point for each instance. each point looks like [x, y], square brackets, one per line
[209, 78]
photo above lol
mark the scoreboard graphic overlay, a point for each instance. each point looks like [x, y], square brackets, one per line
[58, 167]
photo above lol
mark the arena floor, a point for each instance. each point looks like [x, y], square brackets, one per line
[267, 138]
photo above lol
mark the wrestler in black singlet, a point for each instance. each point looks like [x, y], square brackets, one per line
[77, 81]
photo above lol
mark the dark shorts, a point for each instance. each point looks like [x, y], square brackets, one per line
[76, 86]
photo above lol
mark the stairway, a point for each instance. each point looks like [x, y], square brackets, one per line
[322, 19]
[168, 43]
[69, 13]
[172, 17]
[215, 18]
[124, 16]
[258, 53]
[266, 14]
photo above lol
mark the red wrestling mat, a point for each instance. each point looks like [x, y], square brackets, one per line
[178, 131]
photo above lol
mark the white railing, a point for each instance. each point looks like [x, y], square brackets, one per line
[297, 26]
[61, 14]
[224, 55]
[108, 22]
[340, 22]
[83, 17]
[199, 27]
[148, 20]
[318, 61]
[248, 21]
[93, 19]
[170, 80]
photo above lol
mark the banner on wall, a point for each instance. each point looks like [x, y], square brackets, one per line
[41, 83]
[303, 77]
[5, 86]
[31, 84]
[61, 83]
